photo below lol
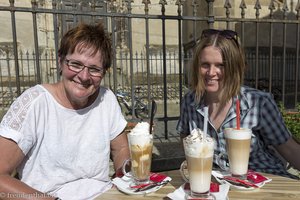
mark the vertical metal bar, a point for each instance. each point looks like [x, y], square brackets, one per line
[195, 5]
[163, 19]
[180, 59]
[297, 9]
[257, 8]
[211, 19]
[256, 55]
[15, 45]
[136, 64]
[61, 6]
[55, 32]
[179, 20]
[227, 6]
[124, 67]
[52, 60]
[131, 57]
[285, 9]
[2, 88]
[10, 86]
[271, 7]
[297, 65]
[284, 63]
[74, 15]
[46, 66]
[113, 32]
[28, 67]
[242, 36]
[22, 74]
[271, 58]
[149, 94]
[36, 42]
[93, 9]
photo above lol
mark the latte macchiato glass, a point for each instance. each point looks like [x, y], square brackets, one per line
[238, 149]
[140, 146]
[199, 158]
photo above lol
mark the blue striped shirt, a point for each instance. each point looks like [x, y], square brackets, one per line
[259, 113]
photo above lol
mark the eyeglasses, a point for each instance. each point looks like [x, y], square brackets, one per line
[228, 34]
[77, 67]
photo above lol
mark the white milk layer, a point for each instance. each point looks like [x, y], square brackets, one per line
[200, 182]
[238, 134]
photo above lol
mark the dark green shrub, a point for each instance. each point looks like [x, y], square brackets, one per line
[292, 120]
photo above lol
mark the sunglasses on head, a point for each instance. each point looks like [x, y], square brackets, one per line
[228, 34]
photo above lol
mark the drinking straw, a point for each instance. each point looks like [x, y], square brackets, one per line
[205, 121]
[238, 116]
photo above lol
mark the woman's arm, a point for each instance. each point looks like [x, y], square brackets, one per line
[119, 151]
[10, 187]
[290, 152]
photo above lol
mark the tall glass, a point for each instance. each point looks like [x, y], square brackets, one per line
[238, 149]
[199, 160]
[140, 146]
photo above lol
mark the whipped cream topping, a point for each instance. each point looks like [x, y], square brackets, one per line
[140, 135]
[141, 128]
[196, 146]
[197, 136]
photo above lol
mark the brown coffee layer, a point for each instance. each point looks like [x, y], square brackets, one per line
[199, 164]
[141, 161]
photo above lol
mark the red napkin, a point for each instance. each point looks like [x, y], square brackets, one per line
[255, 177]
[214, 187]
[154, 177]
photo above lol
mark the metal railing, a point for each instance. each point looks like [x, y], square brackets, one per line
[162, 33]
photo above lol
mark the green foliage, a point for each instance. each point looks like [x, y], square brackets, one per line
[292, 120]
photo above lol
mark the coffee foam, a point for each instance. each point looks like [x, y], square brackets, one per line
[140, 135]
[141, 128]
[238, 134]
[196, 146]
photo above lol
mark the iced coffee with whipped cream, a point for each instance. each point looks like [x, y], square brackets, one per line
[199, 153]
[238, 148]
[140, 145]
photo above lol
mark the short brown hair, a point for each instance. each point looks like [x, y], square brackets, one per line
[87, 36]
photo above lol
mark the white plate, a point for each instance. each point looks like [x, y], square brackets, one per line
[240, 187]
[259, 185]
[123, 184]
[218, 175]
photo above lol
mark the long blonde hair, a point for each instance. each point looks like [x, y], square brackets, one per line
[234, 66]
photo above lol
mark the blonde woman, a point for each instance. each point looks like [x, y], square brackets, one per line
[216, 81]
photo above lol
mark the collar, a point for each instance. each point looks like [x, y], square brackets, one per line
[245, 104]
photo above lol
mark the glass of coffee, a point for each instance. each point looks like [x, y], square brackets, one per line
[140, 146]
[199, 153]
[238, 149]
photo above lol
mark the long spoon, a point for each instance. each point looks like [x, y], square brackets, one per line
[153, 111]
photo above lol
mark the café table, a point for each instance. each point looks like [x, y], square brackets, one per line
[280, 188]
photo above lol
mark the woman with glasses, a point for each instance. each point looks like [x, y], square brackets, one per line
[217, 74]
[60, 137]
